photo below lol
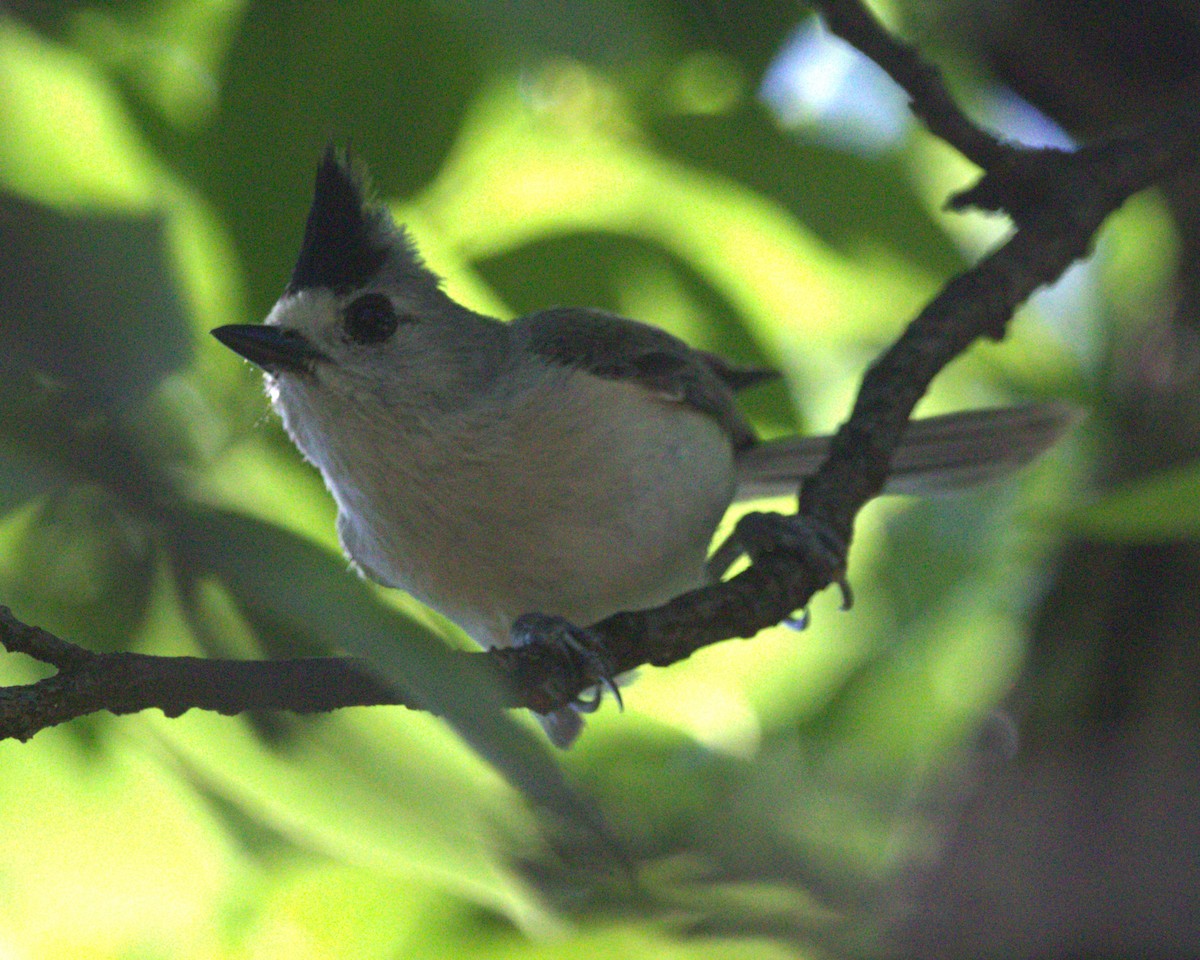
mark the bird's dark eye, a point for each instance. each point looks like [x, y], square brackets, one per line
[370, 319]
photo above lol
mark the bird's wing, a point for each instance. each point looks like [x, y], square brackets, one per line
[615, 348]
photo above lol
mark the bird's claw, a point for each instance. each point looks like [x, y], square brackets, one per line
[810, 539]
[798, 621]
[589, 662]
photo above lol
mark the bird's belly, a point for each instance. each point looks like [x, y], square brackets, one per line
[612, 516]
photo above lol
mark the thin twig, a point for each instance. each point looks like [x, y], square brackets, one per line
[929, 98]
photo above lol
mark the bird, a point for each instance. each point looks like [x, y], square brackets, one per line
[570, 463]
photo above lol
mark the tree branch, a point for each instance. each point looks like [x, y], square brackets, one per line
[120, 683]
[87, 682]
[929, 99]
[1057, 201]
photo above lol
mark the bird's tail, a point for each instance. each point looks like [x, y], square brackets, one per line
[935, 455]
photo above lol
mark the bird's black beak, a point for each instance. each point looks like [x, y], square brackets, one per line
[275, 349]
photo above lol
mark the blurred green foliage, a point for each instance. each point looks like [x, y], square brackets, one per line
[155, 165]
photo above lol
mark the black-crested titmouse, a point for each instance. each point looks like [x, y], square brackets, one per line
[571, 462]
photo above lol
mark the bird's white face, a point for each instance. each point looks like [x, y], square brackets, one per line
[352, 338]
[397, 348]
[349, 379]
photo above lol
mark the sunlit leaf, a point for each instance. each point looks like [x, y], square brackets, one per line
[298, 584]
[127, 845]
[371, 788]
[172, 51]
[66, 136]
[851, 202]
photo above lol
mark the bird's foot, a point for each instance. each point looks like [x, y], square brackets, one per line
[810, 540]
[581, 650]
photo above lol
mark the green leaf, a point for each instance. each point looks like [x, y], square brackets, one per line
[390, 82]
[23, 476]
[375, 788]
[1161, 507]
[122, 841]
[88, 302]
[65, 131]
[83, 568]
[295, 582]
[853, 203]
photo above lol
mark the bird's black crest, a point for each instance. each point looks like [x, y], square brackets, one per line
[348, 237]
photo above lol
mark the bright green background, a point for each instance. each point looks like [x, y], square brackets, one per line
[155, 168]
